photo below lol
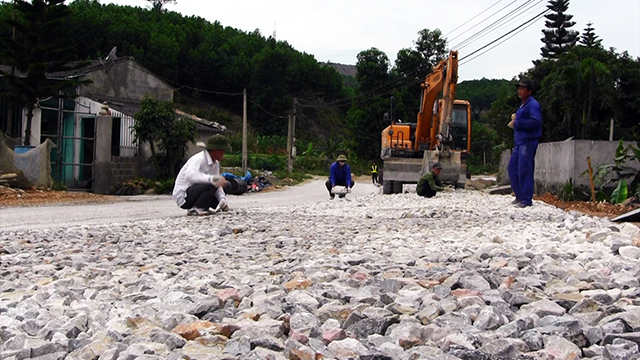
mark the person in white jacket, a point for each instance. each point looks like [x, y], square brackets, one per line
[199, 188]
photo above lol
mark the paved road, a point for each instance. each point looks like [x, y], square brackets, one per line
[150, 207]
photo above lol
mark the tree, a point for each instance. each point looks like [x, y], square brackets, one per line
[372, 71]
[558, 38]
[42, 46]
[589, 38]
[411, 67]
[432, 48]
[626, 104]
[157, 5]
[156, 124]
[365, 117]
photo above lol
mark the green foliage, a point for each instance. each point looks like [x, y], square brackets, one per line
[626, 176]
[312, 164]
[167, 135]
[481, 94]
[310, 150]
[163, 186]
[567, 193]
[290, 179]
[42, 45]
[484, 157]
[59, 186]
[619, 195]
[558, 38]
[263, 162]
[140, 185]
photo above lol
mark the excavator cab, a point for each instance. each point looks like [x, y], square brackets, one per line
[460, 129]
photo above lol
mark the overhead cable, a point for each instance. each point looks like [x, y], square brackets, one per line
[529, 22]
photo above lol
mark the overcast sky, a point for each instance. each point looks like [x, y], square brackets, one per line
[337, 31]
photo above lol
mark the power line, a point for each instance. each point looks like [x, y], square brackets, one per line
[485, 19]
[496, 27]
[497, 23]
[466, 22]
[530, 22]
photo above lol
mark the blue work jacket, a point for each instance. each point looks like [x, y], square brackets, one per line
[528, 124]
[339, 175]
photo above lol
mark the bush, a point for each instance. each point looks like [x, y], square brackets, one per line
[257, 161]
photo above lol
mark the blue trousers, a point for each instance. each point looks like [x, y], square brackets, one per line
[521, 167]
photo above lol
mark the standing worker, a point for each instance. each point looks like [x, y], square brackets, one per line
[199, 186]
[339, 174]
[527, 129]
[374, 173]
[429, 184]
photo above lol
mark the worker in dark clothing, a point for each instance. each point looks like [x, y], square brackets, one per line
[340, 175]
[527, 129]
[374, 173]
[429, 184]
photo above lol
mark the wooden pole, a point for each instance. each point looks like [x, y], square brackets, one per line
[611, 131]
[293, 131]
[289, 164]
[593, 189]
[244, 132]
[290, 137]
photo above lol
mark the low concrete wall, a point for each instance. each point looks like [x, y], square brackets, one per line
[560, 163]
[123, 169]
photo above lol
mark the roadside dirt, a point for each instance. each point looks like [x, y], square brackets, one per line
[16, 197]
[601, 209]
[10, 197]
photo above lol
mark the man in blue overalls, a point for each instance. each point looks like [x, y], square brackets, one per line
[527, 129]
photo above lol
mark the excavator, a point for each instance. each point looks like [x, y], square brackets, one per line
[441, 134]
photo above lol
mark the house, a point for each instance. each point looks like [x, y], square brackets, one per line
[120, 83]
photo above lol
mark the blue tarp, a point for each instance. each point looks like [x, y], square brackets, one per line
[247, 177]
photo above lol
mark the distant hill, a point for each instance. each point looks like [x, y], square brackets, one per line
[348, 70]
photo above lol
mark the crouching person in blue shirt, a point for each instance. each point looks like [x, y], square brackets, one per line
[339, 175]
[199, 188]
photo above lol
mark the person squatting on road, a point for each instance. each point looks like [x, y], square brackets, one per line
[527, 129]
[199, 186]
[429, 184]
[339, 175]
[374, 173]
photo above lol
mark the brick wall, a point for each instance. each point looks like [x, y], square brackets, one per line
[123, 168]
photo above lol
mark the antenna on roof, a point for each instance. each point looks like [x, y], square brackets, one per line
[108, 62]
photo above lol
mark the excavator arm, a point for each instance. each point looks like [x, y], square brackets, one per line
[443, 78]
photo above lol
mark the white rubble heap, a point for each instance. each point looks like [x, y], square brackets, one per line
[463, 275]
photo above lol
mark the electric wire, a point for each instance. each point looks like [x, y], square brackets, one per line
[462, 62]
[530, 21]
[517, 18]
[485, 19]
[508, 17]
[466, 22]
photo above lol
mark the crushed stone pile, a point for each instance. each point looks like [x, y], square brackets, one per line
[464, 275]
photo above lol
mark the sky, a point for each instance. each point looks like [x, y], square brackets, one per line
[337, 30]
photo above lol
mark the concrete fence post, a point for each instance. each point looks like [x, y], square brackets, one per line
[102, 164]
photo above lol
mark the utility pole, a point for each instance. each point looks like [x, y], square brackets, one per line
[611, 130]
[244, 131]
[291, 137]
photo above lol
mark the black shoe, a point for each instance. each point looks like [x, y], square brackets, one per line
[341, 196]
[516, 202]
[522, 205]
[331, 197]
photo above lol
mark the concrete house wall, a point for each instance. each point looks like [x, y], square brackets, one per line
[126, 79]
